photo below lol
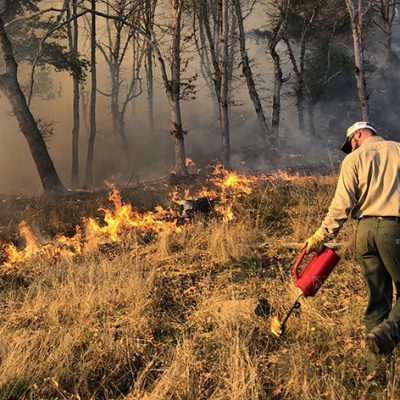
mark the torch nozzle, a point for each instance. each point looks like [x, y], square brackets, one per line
[278, 328]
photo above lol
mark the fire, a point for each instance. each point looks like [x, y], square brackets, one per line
[275, 326]
[210, 193]
[239, 184]
[32, 246]
[123, 219]
[226, 213]
[120, 220]
[117, 225]
[35, 248]
[71, 245]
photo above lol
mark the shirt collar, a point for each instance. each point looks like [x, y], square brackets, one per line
[374, 139]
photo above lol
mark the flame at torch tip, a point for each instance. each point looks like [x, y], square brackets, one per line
[275, 326]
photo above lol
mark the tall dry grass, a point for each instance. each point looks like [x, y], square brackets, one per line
[175, 318]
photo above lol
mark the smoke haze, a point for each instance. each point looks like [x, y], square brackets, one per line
[152, 151]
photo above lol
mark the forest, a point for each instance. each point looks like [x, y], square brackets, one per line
[274, 79]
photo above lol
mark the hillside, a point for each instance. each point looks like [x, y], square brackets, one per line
[169, 309]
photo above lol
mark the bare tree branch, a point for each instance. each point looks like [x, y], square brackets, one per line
[43, 39]
[20, 19]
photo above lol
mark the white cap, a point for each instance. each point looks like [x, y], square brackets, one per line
[353, 128]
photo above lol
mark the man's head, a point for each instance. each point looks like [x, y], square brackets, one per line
[356, 134]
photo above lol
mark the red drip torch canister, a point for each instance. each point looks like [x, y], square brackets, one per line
[311, 278]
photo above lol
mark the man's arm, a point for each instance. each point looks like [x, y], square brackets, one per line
[343, 202]
[344, 199]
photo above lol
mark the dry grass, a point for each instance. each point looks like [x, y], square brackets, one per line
[175, 318]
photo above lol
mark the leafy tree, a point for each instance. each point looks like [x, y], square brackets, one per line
[13, 50]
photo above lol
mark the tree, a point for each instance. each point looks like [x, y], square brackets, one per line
[358, 11]
[73, 39]
[150, 7]
[386, 12]
[303, 15]
[174, 89]
[328, 64]
[92, 117]
[115, 51]
[223, 104]
[207, 15]
[278, 19]
[216, 47]
[10, 86]
[172, 86]
[247, 72]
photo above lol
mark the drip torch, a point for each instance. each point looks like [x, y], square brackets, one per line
[308, 281]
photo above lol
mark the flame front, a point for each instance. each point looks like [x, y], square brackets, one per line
[118, 223]
[32, 247]
[231, 181]
[121, 220]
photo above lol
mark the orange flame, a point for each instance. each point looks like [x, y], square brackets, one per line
[32, 247]
[120, 220]
[275, 326]
[123, 218]
[71, 245]
[240, 184]
[225, 212]
[117, 224]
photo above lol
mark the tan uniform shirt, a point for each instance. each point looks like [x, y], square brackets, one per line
[368, 185]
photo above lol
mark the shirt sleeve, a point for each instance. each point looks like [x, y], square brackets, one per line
[344, 199]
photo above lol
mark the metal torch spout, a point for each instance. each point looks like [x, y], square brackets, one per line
[279, 328]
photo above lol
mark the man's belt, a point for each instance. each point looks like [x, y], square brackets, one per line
[386, 218]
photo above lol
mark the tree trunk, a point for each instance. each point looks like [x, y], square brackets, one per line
[387, 41]
[150, 88]
[387, 11]
[92, 128]
[247, 72]
[201, 47]
[360, 77]
[311, 119]
[298, 68]
[205, 20]
[149, 21]
[176, 118]
[9, 84]
[357, 18]
[122, 135]
[224, 122]
[300, 105]
[276, 103]
[73, 46]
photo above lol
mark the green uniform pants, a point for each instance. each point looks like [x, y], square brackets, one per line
[378, 252]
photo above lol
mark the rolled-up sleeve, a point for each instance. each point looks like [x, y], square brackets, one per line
[344, 200]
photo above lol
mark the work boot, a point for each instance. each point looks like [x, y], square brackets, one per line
[379, 344]
[378, 358]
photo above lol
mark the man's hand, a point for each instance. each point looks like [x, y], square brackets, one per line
[314, 242]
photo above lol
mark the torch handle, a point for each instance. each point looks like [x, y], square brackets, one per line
[298, 262]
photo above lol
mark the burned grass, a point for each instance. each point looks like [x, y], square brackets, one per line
[186, 315]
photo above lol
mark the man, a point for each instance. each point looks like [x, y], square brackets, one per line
[368, 190]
